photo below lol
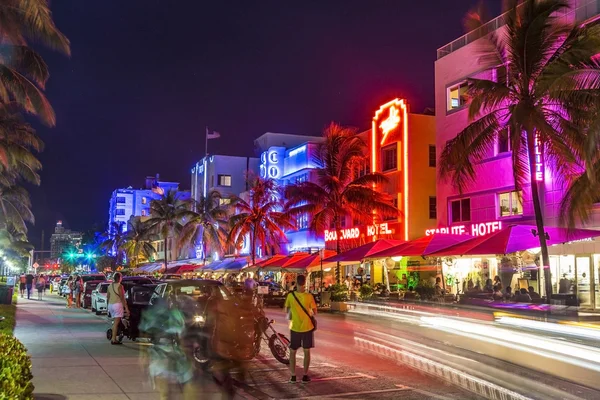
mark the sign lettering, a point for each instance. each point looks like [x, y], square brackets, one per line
[539, 164]
[354, 233]
[480, 229]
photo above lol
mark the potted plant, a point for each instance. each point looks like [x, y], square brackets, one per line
[339, 297]
[366, 291]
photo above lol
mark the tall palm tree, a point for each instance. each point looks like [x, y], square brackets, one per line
[551, 85]
[167, 217]
[260, 218]
[206, 225]
[338, 192]
[15, 242]
[18, 140]
[114, 240]
[23, 72]
[137, 243]
[15, 208]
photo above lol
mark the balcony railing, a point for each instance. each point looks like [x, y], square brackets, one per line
[584, 11]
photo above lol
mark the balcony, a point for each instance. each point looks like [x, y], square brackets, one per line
[585, 10]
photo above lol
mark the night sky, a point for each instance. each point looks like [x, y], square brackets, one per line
[146, 76]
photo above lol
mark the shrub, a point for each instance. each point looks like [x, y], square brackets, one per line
[339, 292]
[366, 291]
[15, 370]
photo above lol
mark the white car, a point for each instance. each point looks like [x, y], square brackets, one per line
[99, 298]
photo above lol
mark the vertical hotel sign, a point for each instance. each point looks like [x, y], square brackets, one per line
[539, 162]
[390, 125]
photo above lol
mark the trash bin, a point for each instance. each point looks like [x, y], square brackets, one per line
[6, 294]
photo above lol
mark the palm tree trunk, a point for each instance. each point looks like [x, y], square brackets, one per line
[252, 248]
[166, 252]
[338, 271]
[539, 217]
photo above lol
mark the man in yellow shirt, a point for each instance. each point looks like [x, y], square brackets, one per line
[301, 326]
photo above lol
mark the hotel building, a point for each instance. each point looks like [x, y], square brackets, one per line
[491, 202]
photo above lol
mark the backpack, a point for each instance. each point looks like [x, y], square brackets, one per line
[235, 332]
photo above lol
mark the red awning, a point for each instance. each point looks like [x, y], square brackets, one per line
[423, 245]
[365, 251]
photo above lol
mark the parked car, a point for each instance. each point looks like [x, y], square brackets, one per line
[55, 285]
[93, 277]
[88, 288]
[275, 297]
[99, 304]
[62, 287]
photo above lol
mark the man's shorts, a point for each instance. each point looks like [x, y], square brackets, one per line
[306, 340]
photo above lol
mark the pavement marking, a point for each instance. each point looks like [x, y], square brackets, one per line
[329, 396]
[324, 365]
[331, 378]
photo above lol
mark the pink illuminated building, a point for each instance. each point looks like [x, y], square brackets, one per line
[491, 202]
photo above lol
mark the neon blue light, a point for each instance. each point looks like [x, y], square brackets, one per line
[297, 151]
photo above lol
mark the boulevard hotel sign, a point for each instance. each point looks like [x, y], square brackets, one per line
[357, 232]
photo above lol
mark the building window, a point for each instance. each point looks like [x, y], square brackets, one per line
[301, 178]
[457, 96]
[510, 203]
[121, 199]
[224, 180]
[503, 142]
[223, 202]
[461, 210]
[432, 207]
[144, 213]
[144, 200]
[302, 221]
[389, 157]
[120, 211]
[432, 159]
[342, 222]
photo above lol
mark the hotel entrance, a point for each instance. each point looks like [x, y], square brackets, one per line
[577, 277]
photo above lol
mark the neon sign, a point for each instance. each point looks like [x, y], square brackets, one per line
[354, 233]
[390, 123]
[270, 163]
[388, 117]
[480, 229]
[297, 151]
[539, 164]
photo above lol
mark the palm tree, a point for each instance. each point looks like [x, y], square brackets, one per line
[137, 243]
[114, 240]
[338, 193]
[15, 242]
[167, 217]
[15, 208]
[23, 72]
[551, 86]
[206, 225]
[17, 141]
[259, 219]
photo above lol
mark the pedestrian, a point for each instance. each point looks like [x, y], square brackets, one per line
[522, 296]
[533, 294]
[29, 278]
[22, 284]
[301, 308]
[509, 294]
[77, 289]
[69, 291]
[498, 282]
[40, 285]
[117, 305]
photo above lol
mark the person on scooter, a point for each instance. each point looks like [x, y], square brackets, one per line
[117, 305]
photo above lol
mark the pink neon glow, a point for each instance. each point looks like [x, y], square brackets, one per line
[397, 104]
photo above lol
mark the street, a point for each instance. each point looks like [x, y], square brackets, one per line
[72, 359]
[356, 357]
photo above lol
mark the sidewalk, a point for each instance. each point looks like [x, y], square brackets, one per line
[72, 359]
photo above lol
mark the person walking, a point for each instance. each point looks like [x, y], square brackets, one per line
[301, 308]
[69, 291]
[22, 284]
[29, 278]
[117, 305]
[40, 285]
[77, 289]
